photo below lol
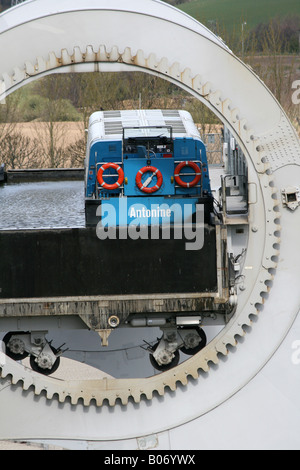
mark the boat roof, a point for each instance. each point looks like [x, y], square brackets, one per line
[108, 125]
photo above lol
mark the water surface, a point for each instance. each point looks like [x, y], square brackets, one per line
[41, 205]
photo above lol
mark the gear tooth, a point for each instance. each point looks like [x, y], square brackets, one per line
[38, 388]
[49, 394]
[14, 380]
[210, 356]
[195, 374]
[161, 390]
[3, 371]
[239, 331]
[184, 379]
[26, 383]
[98, 401]
[227, 339]
[112, 401]
[191, 371]
[62, 397]
[87, 401]
[149, 394]
[221, 348]
[203, 365]
[74, 399]
[124, 398]
[247, 322]
[136, 396]
[172, 384]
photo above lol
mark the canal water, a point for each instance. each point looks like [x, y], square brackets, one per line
[42, 205]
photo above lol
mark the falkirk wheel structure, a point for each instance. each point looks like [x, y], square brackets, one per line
[242, 389]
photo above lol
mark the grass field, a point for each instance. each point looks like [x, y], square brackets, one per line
[231, 13]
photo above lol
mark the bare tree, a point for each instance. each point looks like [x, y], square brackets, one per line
[273, 64]
[8, 115]
[19, 151]
[75, 153]
[50, 129]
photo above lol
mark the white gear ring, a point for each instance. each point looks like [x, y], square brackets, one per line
[122, 389]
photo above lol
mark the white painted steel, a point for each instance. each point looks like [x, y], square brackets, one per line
[151, 36]
[264, 414]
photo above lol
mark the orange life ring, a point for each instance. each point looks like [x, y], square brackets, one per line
[192, 165]
[155, 172]
[116, 167]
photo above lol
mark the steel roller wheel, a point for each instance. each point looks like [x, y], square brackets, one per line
[164, 367]
[40, 366]
[18, 354]
[196, 349]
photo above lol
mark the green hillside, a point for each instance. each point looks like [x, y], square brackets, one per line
[231, 13]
